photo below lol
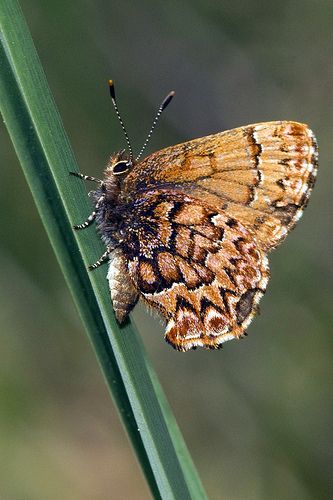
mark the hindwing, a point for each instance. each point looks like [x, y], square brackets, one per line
[202, 269]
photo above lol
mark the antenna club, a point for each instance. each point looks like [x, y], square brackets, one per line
[158, 114]
[114, 102]
[167, 100]
[112, 91]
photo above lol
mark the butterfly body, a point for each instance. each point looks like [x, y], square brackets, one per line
[188, 228]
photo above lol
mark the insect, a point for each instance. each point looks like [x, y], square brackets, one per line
[188, 228]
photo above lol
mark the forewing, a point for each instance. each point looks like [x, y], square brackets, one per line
[261, 174]
[199, 267]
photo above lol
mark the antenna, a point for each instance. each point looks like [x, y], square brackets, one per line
[113, 97]
[162, 107]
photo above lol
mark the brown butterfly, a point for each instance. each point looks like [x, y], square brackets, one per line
[188, 228]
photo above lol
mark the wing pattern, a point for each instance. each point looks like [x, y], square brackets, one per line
[202, 269]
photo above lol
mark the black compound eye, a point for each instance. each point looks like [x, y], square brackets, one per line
[121, 167]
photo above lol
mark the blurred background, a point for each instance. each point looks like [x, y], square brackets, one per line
[257, 415]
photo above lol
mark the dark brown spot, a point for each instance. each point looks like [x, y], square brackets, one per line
[231, 222]
[230, 275]
[239, 244]
[252, 194]
[284, 149]
[245, 305]
[280, 183]
[216, 323]
[311, 181]
[285, 162]
[206, 304]
[287, 213]
[254, 146]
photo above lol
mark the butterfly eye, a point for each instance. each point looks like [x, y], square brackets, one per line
[121, 167]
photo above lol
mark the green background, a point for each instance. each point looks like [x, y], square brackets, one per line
[257, 415]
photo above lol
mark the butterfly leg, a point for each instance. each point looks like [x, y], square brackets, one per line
[92, 216]
[86, 177]
[102, 259]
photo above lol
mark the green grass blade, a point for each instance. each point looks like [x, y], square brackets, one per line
[42, 147]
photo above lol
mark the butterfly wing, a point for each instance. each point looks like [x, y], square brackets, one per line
[261, 174]
[202, 269]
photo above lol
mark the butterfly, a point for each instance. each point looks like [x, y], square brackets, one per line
[188, 229]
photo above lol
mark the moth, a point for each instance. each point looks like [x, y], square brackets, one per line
[188, 228]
